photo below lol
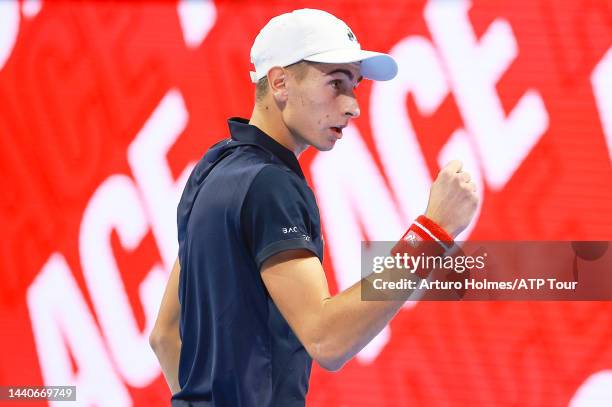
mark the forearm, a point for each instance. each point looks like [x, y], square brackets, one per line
[348, 323]
[165, 339]
[168, 351]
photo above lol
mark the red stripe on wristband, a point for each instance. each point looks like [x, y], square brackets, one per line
[436, 230]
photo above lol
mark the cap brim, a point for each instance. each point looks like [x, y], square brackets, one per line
[374, 65]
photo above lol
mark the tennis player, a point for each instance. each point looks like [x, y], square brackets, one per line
[247, 307]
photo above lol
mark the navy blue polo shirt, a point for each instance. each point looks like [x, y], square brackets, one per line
[245, 201]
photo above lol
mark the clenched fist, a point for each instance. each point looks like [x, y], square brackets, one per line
[452, 199]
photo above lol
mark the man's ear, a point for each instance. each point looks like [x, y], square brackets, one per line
[277, 79]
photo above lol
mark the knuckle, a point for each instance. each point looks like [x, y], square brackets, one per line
[445, 174]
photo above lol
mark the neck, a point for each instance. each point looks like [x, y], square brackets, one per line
[268, 118]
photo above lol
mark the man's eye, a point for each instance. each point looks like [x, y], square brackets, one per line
[336, 84]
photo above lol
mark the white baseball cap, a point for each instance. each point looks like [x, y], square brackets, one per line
[317, 36]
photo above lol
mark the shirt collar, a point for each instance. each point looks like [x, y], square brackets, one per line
[241, 130]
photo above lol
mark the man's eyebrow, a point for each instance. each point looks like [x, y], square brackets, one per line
[346, 72]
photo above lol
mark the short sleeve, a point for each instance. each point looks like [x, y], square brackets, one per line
[277, 214]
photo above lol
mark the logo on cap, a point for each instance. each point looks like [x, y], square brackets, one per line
[350, 35]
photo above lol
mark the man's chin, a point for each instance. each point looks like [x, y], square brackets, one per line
[327, 146]
[324, 148]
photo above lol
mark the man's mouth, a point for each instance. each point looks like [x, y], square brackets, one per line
[337, 130]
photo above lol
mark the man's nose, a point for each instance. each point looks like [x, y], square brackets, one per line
[352, 108]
